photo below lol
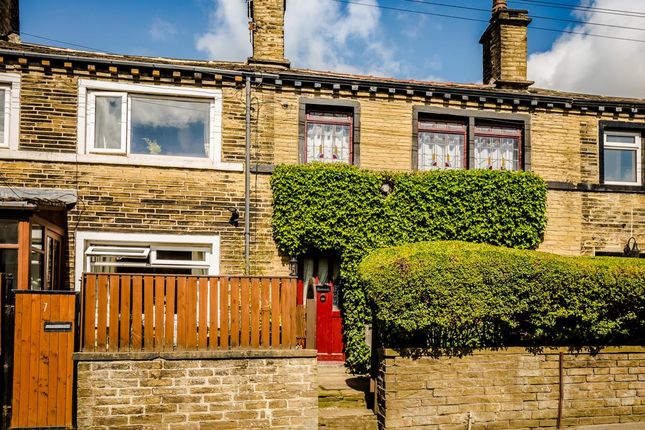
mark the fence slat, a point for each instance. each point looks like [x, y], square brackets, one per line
[89, 312]
[275, 312]
[101, 335]
[203, 311]
[137, 313]
[293, 290]
[191, 316]
[235, 312]
[124, 330]
[171, 294]
[223, 312]
[265, 313]
[255, 313]
[213, 335]
[148, 313]
[55, 361]
[113, 330]
[40, 411]
[181, 313]
[245, 309]
[286, 320]
[160, 292]
[35, 336]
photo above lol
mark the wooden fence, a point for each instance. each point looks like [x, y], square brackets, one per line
[168, 313]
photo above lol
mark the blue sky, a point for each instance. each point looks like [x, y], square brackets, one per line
[325, 34]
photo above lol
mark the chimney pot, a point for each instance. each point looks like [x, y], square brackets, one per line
[499, 5]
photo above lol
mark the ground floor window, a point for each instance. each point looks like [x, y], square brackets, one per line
[31, 249]
[9, 247]
[132, 253]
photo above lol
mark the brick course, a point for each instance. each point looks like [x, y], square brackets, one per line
[264, 391]
[511, 389]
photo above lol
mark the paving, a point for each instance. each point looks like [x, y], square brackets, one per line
[344, 400]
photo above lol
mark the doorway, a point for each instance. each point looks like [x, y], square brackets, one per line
[321, 288]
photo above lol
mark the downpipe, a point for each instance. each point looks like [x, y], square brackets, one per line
[247, 183]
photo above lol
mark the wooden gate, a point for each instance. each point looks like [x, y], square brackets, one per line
[43, 367]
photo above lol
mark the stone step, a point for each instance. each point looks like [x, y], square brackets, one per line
[346, 419]
[342, 400]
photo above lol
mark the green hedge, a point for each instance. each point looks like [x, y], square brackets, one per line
[448, 295]
[341, 209]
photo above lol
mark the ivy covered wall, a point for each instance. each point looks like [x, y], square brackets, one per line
[342, 209]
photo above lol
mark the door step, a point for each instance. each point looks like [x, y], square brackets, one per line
[344, 400]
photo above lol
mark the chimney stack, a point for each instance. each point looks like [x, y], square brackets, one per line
[505, 48]
[266, 23]
[9, 20]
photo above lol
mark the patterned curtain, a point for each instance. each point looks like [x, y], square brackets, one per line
[328, 143]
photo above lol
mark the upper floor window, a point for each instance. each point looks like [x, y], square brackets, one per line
[622, 158]
[497, 147]
[329, 136]
[150, 121]
[458, 140]
[9, 110]
[442, 145]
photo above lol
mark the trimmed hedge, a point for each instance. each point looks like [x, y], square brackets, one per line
[445, 295]
[341, 209]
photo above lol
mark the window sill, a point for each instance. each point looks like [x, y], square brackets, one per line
[596, 188]
[131, 160]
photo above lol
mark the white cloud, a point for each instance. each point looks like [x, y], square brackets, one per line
[163, 113]
[322, 35]
[161, 30]
[228, 37]
[583, 63]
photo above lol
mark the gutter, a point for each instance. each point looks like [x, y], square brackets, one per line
[363, 82]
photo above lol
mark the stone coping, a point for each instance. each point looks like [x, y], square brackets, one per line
[232, 354]
[411, 352]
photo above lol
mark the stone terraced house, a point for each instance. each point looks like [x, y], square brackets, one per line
[121, 164]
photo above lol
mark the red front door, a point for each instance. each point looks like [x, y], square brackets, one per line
[321, 291]
[329, 326]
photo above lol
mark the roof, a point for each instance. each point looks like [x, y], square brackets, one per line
[31, 198]
[43, 51]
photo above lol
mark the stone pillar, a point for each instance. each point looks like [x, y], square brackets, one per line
[9, 20]
[505, 48]
[267, 32]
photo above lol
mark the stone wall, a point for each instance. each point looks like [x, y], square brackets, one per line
[511, 389]
[223, 390]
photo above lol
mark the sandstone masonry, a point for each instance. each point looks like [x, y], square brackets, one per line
[224, 390]
[511, 389]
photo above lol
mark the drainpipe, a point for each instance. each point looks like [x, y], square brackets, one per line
[247, 183]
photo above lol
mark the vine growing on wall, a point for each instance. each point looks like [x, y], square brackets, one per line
[349, 211]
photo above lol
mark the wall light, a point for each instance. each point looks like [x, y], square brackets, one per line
[631, 248]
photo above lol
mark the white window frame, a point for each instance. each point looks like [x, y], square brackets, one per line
[154, 241]
[636, 147]
[154, 258]
[10, 84]
[89, 89]
[91, 115]
[109, 250]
